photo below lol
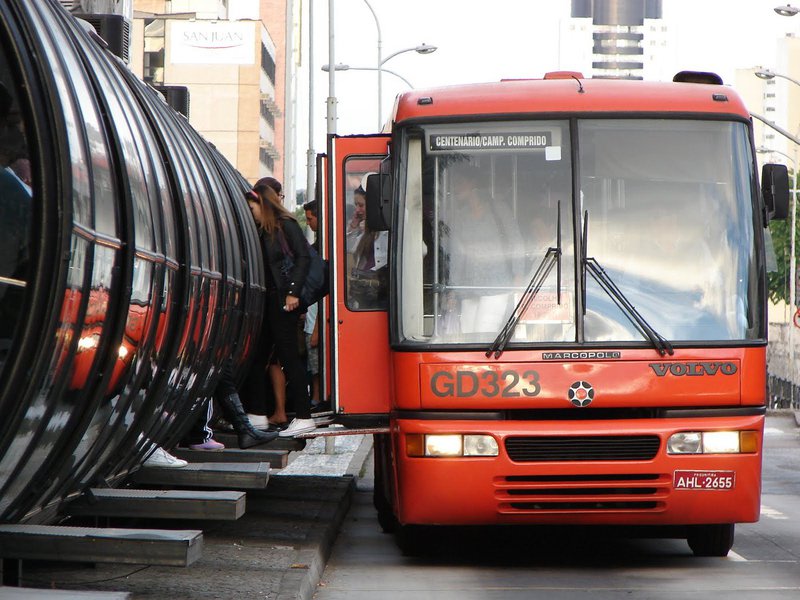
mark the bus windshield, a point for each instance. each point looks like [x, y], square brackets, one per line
[666, 206]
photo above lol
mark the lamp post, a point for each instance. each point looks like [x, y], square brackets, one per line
[421, 49]
[343, 67]
[331, 103]
[310, 158]
[790, 11]
[787, 10]
[768, 74]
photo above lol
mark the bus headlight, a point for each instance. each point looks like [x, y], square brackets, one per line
[721, 442]
[480, 445]
[443, 445]
[713, 442]
[687, 442]
[451, 445]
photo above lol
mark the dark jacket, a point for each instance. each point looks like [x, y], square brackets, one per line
[273, 257]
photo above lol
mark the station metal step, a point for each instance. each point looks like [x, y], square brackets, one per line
[221, 476]
[288, 444]
[15, 593]
[176, 548]
[335, 430]
[160, 504]
[277, 459]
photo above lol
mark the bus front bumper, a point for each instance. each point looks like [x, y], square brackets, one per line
[575, 472]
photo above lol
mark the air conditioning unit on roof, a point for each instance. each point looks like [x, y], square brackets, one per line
[177, 96]
[114, 29]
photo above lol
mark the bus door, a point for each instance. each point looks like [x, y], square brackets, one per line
[359, 263]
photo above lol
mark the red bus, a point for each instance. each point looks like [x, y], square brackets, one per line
[556, 305]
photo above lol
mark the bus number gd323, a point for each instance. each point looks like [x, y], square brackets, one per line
[485, 383]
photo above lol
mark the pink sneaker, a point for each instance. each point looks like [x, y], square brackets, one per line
[210, 444]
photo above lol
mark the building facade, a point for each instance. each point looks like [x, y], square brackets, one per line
[619, 39]
[224, 58]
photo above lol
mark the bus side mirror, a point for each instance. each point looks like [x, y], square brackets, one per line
[379, 194]
[775, 190]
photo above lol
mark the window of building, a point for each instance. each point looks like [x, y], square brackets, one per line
[267, 64]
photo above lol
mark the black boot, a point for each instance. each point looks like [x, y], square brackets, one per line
[248, 435]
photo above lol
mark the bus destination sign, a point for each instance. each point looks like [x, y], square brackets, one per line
[490, 141]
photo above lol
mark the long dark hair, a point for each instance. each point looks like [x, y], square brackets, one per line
[272, 211]
[270, 182]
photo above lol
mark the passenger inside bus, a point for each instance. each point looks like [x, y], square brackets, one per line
[15, 210]
[484, 254]
[367, 259]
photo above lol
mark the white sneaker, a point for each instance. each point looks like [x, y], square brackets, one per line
[298, 426]
[161, 458]
[258, 421]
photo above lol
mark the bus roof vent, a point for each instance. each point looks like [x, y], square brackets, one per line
[697, 77]
[563, 75]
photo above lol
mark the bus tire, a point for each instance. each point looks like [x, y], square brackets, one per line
[380, 497]
[386, 518]
[410, 539]
[711, 540]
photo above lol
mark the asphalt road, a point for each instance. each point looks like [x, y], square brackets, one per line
[366, 564]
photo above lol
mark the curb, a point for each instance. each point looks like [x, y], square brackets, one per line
[300, 583]
[786, 411]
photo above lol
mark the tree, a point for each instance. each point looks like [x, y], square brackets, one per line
[781, 239]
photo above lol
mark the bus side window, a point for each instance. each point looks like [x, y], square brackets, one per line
[367, 251]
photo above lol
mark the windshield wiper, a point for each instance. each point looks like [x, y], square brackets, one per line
[597, 272]
[551, 257]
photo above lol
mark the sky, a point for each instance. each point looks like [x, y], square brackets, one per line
[488, 41]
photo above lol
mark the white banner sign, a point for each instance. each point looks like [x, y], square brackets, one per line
[213, 42]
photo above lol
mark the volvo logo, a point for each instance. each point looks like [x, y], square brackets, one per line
[581, 393]
[694, 369]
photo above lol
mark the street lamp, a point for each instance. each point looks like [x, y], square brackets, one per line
[767, 74]
[421, 49]
[343, 67]
[786, 11]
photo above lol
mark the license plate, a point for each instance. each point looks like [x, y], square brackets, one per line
[704, 480]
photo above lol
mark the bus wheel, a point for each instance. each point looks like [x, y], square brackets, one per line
[380, 498]
[410, 539]
[387, 521]
[386, 517]
[711, 540]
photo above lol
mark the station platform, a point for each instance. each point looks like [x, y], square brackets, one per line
[277, 549]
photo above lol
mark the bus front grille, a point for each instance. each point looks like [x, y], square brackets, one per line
[582, 493]
[582, 448]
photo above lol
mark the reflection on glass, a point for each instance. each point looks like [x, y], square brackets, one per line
[15, 212]
[367, 281]
[480, 210]
[670, 220]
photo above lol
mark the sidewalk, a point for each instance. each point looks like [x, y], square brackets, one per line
[276, 551]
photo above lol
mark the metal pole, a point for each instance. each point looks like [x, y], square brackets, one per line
[310, 155]
[380, 62]
[331, 74]
[389, 71]
[290, 106]
[792, 282]
[792, 259]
